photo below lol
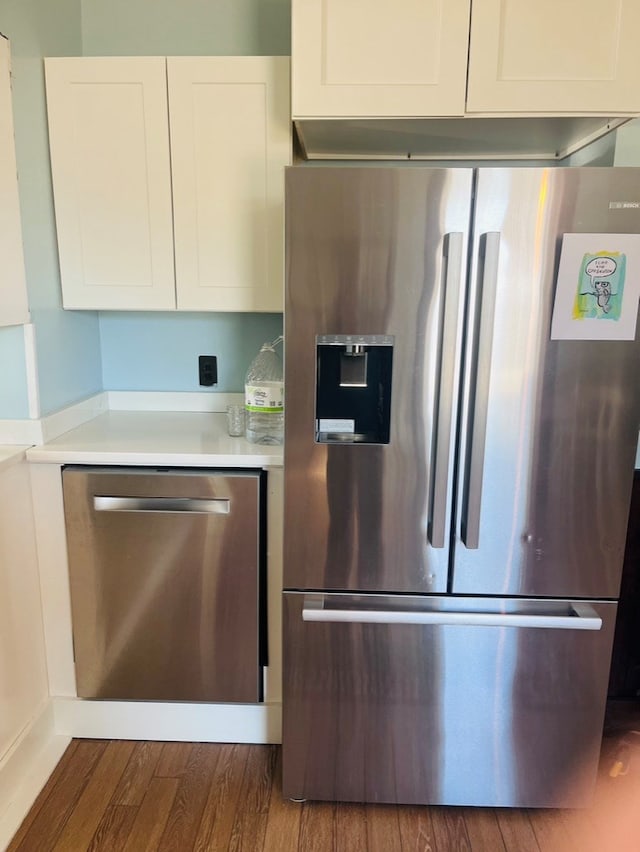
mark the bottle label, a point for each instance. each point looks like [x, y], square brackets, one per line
[268, 398]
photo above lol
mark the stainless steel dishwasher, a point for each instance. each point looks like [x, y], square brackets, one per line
[167, 578]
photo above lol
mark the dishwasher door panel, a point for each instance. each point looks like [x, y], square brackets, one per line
[166, 578]
[443, 701]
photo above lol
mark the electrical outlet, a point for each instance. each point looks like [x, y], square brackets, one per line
[208, 370]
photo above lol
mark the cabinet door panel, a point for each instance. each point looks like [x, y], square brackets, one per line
[550, 57]
[109, 148]
[13, 287]
[380, 58]
[230, 142]
[23, 670]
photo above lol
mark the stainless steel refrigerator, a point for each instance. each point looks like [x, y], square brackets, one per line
[457, 485]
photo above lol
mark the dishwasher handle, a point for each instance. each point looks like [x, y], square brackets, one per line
[581, 616]
[197, 505]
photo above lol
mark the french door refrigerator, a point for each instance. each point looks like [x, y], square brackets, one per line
[457, 483]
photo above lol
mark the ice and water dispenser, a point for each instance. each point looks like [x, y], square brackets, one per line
[353, 388]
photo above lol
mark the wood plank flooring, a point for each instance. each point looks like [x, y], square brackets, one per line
[177, 797]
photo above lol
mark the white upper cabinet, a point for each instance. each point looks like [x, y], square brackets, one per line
[410, 58]
[379, 57]
[576, 56]
[14, 308]
[230, 141]
[141, 174]
[109, 145]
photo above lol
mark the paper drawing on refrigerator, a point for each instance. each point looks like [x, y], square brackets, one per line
[598, 287]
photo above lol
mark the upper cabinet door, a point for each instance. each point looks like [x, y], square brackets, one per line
[13, 288]
[379, 57]
[569, 57]
[109, 143]
[230, 142]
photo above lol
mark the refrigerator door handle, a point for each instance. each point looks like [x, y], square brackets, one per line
[441, 444]
[489, 250]
[581, 616]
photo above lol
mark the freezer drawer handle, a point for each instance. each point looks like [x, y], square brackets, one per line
[436, 530]
[479, 393]
[162, 504]
[582, 617]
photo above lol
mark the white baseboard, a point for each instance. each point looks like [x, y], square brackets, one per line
[28, 432]
[144, 720]
[74, 415]
[38, 431]
[25, 769]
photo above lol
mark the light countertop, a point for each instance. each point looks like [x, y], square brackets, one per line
[176, 438]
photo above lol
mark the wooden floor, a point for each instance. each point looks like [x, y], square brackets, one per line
[137, 796]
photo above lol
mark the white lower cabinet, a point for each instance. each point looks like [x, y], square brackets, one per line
[168, 180]
[23, 673]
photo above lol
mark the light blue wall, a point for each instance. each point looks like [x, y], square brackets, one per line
[598, 153]
[68, 345]
[150, 351]
[73, 362]
[14, 402]
[160, 351]
[628, 144]
[186, 27]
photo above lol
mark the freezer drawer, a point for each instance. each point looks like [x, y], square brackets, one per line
[167, 581]
[457, 701]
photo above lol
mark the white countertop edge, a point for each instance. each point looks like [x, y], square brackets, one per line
[155, 438]
[51, 426]
[42, 455]
[11, 454]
